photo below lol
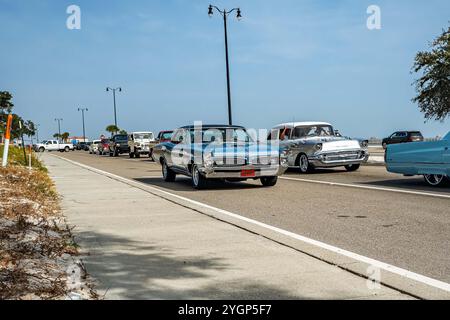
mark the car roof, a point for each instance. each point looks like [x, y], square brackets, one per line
[141, 132]
[302, 123]
[213, 126]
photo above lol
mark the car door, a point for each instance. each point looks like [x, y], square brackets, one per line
[52, 145]
[397, 137]
[178, 150]
[446, 152]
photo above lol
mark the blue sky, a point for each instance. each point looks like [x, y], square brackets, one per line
[290, 59]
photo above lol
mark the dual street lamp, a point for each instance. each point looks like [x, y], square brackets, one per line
[224, 14]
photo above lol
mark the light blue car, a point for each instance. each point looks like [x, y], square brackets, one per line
[430, 159]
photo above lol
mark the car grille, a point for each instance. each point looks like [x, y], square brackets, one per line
[343, 156]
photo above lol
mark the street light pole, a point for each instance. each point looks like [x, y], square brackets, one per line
[114, 99]
[59, 127]
[82, 117]
[37, 132]
[225, 13]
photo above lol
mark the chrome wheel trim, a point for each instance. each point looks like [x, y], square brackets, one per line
[195, 176]
[434, 179]
[304, 164]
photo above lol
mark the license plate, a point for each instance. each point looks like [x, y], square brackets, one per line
[248, 173]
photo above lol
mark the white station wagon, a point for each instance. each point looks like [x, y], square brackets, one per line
[316, 144]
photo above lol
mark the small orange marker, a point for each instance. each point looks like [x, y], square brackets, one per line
[7, 137]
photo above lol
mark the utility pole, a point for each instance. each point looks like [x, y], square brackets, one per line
[82, 117]
[59, 127]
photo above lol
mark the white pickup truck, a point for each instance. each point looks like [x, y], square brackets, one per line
[53, 145]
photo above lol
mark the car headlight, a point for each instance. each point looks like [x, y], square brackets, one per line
[364, 143]
[208, 160]
[117, 144]
[318, 147]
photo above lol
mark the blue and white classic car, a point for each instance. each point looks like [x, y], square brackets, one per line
[430, 159]
[219, 152]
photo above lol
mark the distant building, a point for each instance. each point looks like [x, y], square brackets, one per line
[76, 140]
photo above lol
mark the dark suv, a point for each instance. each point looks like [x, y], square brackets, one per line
[402, 137]
[118, 145]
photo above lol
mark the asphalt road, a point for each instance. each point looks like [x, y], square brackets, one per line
[408, 230]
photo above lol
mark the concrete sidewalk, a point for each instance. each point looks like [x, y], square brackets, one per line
[140, 246]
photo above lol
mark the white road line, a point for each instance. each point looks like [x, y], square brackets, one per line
[358, 186]
[381, 265]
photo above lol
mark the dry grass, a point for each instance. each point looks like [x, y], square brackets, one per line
[35, 242]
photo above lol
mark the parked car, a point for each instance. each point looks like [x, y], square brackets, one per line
[164, 136]
[87, 146]
[93, 148]
[53, 145]
[316, 145]
[430, 159]
[80, 145]
[103, 147]
[402, 137]
[118, 145]
[141, 143]
[219, 152]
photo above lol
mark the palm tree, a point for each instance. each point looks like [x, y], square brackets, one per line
[56, 136]
[65, 136]
[112, 129]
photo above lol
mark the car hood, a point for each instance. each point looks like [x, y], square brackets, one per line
[219, 149]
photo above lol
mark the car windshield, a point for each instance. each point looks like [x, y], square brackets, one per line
[142, 136]
[313, 131]
[447, 137]
[222, 135]
[166, 135]
[121, 137]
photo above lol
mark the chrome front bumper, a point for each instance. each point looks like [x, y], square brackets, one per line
[235, 172]
[337, 159]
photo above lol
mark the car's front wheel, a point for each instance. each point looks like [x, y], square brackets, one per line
[198, 180]
[303, 163]
[168, 174]
[352, 167]
[269, 181]
[436, 180]
[41, 149]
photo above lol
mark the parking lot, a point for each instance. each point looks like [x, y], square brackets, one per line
[396, 220]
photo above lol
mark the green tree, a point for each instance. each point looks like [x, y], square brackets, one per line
[6, 105]
[123, 131]
[433, 87]
[112, 129]
[56, 136]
